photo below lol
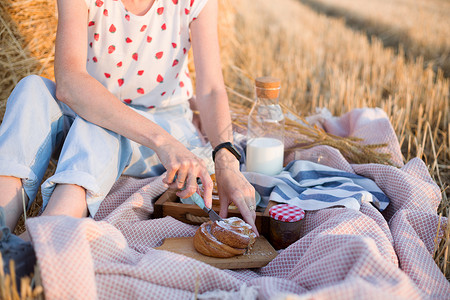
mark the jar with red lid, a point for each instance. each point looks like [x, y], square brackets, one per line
[285, 225]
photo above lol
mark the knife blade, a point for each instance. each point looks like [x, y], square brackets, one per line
[201, 203]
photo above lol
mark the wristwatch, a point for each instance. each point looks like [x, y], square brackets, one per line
[229, 146]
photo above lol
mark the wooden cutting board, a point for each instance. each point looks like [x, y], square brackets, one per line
[260, 255]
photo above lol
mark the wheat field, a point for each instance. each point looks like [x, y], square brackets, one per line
[421, 27]
[321, 61]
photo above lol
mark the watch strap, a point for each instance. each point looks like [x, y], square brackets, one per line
[229, 146]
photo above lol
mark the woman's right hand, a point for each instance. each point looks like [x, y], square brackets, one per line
[187, 167]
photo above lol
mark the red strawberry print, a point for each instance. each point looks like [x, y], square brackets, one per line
[186, 11]
[174, 45]
[91, 23]
[111, 49]
[98, 3]
[163, 93]
[151, 106]
[176, 76]
[127, 101]
[90, 44]
[160, 79]
[160, 10]
[192, 2]
[127, 17]
[140, 91]
[184, 50]
[194, 19]
[120, 81]
[105, 12]
[140, 72]
[181, 84]
[96, 36]
[173, 92]
[119, 64]
[143, 28]
[112, 28]
[188, 93]
[149, 39]
[128, 40]
[175, 2]
[107, 75]
[94, 59]
[135, 56]
[175, 62]
[187, 74]
[164, 27]
[159, 55]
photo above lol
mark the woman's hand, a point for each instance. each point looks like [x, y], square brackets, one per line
[234, 188]
[187, 167]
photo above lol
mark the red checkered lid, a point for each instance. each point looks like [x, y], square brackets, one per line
[286, 213]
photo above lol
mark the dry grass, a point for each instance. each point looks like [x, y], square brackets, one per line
[28, 289]
[421, 26]
[321, 62]
[27, 33]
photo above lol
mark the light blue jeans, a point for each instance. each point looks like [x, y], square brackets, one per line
[37, 127]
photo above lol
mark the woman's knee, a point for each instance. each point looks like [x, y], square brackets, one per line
[33, 92]
[35, 83]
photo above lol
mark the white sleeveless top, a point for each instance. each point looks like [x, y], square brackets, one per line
[142, 60]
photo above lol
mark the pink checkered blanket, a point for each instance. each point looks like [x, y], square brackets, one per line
[343, 253]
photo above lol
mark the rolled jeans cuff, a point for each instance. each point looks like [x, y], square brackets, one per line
[94, 195]
[29, 179]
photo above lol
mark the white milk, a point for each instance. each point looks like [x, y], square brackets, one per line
[265, 155]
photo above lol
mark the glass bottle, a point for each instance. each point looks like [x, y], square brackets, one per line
[265, 135]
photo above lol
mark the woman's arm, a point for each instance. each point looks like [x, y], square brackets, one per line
[212, 103]
[84, 94]
[93, 102]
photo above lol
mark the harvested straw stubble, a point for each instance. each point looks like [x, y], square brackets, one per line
[426, 36]
[28, 289]
[23, 48]
[35, 20]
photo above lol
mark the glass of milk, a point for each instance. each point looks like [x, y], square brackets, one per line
[265, 136]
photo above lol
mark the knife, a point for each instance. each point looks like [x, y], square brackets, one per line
[201, 203]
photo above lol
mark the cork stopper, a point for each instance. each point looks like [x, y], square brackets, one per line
[267, 87]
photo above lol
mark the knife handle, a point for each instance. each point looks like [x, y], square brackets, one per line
[198, 200]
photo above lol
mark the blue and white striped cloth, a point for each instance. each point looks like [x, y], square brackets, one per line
[312, 186]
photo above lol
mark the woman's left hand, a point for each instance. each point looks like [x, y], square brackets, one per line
[234, 188]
